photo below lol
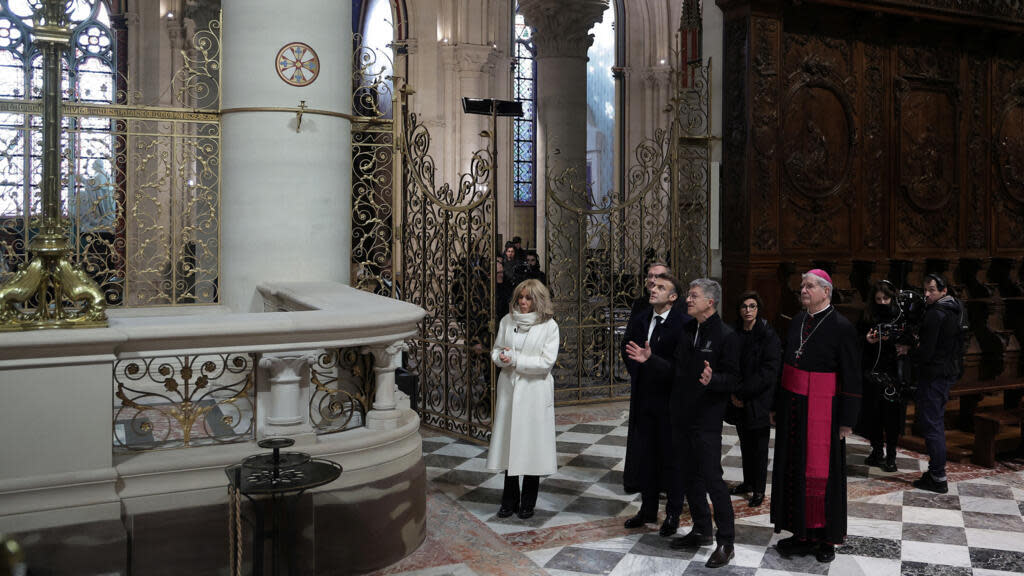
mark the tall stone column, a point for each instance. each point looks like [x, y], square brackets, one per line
[286, 192]
[561, 31]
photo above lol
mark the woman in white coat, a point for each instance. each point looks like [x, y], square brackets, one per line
[523, 436]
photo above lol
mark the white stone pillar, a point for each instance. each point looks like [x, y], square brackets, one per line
[386, 359]
[561, 32]
[286, 194]
[282, 396]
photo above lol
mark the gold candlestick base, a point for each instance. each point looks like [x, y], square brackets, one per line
[52, 279]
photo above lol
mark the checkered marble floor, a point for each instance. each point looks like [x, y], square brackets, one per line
[978, 528]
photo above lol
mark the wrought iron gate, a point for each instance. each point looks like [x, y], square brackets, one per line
[597, 252]
[448, 257]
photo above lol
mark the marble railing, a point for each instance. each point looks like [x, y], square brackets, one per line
[56, 390]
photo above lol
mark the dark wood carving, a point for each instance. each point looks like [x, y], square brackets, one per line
[879, 138]
[819, 135]
[765, 125]
[1008, 139]
[874, 158]
[976, 205]
[734, 125]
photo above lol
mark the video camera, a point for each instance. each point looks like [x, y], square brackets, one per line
[903, 329]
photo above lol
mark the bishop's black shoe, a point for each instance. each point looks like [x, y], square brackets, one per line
[506, 511]
[794, 546]
[825, 552]
[890, 463]
[526, 512]
[756, 499]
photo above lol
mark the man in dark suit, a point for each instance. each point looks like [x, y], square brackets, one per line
[651, 463]
[653, 270]
[707, 372]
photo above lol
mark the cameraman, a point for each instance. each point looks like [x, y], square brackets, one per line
[935, 358]
[884, 407]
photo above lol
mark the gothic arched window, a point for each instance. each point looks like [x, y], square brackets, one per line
[601, 107]
[524, 128]
[88, 77]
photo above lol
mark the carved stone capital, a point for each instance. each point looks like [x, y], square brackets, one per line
[472, 57]
[561, 28]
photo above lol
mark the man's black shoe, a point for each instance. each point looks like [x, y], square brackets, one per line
[825, 552]
[756, 499]
[526, 512]
[670, 525]
[721, 556]
[926, 482]
[639, 520]
[692, 540]
[794, 546]
[741, 488]
[890, 463]
[506, 511]
[875, 458]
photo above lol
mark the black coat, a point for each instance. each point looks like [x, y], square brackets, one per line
[936, 354]
[696, 407]
[650, 385]
[761, 368]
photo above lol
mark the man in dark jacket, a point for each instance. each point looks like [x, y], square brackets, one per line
[651, 464]
[653, 270]
[706, 373]
[936, 360]
[760, 365]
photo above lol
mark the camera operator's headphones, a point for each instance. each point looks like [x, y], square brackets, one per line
[889, 285]
[940, 284]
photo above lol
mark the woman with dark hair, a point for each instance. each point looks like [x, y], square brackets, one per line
[523, 434]
[760, 362]
[884, 410]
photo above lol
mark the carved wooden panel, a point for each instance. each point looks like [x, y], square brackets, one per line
[874, 161]
[928, 185]
[1008, 153]
[975, 202]
[819, 138]
[765, 120]
[735, 214]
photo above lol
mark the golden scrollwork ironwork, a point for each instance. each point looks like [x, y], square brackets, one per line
[152, 237]
[344, 384]
[373, 172]
[597, 248]
[183, 401]
[448, 268]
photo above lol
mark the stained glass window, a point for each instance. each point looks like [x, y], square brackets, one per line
[87, 144]
[524, 129]
[601, 109]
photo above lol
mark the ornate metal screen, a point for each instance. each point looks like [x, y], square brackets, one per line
[141, 184]
[596, 253]
[373, 173]
[448, 262]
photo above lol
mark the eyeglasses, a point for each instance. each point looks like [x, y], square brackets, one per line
[748, 306]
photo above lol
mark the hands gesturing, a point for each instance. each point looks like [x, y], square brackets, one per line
[705, 376]
[638, 354]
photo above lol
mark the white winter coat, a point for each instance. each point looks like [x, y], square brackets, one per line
[523, 433]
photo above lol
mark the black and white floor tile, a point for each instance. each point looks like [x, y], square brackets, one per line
[976, 529]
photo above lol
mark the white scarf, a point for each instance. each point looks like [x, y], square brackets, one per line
[524, 321]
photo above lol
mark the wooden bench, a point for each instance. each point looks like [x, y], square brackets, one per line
[987, 426]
